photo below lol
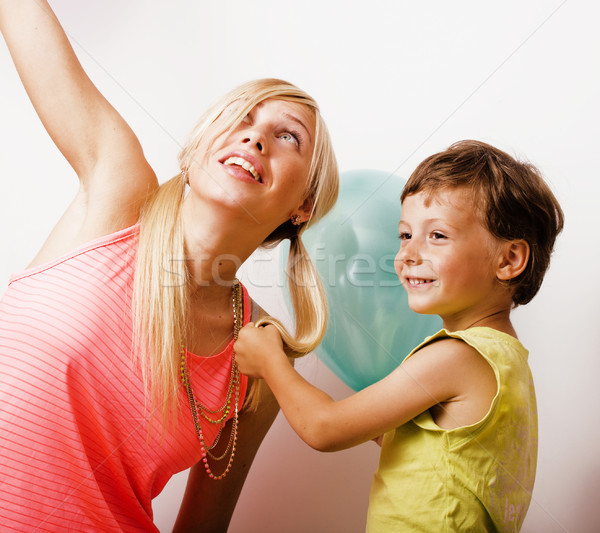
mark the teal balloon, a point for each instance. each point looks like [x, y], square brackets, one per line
[371, 329]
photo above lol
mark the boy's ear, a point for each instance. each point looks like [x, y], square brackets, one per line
[513, 259]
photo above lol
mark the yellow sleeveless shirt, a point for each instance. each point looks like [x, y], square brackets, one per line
[468, 479]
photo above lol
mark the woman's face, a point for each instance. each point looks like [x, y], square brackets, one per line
[260, 168]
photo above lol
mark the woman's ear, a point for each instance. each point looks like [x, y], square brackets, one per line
[513, 259]
[305, 210]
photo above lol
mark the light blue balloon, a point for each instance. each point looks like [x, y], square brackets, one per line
[371, 328]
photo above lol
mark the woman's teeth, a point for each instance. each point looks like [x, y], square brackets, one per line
[245, 165]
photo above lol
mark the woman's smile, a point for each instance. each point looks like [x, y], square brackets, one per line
[268, 154]
[244, 166]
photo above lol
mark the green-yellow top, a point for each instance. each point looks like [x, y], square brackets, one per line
[472, 478]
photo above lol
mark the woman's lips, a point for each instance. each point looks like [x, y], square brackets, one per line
[243, 165]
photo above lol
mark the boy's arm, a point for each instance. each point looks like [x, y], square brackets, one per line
[441, 373]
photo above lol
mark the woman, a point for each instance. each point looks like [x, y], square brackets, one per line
[116, 355]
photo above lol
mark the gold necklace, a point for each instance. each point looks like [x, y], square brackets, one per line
[201, 411]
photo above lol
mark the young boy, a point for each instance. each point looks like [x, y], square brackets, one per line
[459, 414]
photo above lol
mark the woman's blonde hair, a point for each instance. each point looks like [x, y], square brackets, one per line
[161, 285]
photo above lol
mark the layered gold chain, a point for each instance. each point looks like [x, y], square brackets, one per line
[200, 411]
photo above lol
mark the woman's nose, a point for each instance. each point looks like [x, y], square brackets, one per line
[254, 137]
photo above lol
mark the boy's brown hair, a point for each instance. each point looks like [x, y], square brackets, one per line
[514, 200]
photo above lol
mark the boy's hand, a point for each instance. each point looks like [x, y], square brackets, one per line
[256, 348]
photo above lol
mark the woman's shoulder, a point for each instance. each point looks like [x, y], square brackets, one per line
[94, 214]
[124, 239]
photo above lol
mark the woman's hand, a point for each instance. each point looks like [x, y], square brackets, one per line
[257, 348]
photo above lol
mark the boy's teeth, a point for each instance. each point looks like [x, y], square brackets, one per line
[244, 164]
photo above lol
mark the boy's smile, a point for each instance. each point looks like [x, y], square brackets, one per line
[414, 282]
[447, 258]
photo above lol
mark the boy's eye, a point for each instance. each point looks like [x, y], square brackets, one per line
[404, 236]
[435, 235]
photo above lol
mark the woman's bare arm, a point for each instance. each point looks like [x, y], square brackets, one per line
[208, 504]
[102, 149]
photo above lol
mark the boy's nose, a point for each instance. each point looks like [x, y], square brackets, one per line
[409, 253]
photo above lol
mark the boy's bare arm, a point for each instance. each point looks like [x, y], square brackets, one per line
[441, 374]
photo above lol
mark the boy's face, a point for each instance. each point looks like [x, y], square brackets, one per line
[447, 257]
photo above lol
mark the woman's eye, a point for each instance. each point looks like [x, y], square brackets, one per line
[290, 137]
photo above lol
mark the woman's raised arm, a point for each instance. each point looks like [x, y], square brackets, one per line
[93, 137]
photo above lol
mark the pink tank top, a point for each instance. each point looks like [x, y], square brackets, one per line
[75, 448]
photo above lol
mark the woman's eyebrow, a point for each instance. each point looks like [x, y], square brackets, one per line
[299, 122]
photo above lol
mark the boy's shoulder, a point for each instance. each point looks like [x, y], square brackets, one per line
[441, 343]
[447, 351]
[476, 337]
[465, 347]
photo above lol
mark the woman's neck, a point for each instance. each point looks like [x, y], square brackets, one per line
[217, 242]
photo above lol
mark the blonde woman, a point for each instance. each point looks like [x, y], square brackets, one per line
[116, 343]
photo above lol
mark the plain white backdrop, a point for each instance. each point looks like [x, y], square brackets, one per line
[396, 81]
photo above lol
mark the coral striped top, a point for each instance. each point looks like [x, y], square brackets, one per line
[75, 448]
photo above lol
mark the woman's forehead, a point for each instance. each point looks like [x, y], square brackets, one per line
[285, 108]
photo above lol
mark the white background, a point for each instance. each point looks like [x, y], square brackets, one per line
[396, 81]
